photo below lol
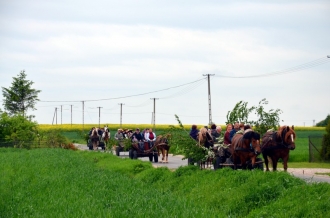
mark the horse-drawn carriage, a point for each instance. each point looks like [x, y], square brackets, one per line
[98, 137]
[135, 151]
[160, 146]
[245, 148]
[101, 144]
[241, 154]
[225, 159]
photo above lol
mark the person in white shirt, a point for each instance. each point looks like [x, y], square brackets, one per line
[150, 137]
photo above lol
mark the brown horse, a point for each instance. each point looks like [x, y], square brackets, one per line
[277, 144]
[245, 147]
[162, 146]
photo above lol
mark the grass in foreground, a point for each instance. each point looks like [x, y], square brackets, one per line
[64, 183]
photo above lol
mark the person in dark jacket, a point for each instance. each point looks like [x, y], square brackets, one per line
[137, 137]
[194, 132]
[215, 132]
[233, 131]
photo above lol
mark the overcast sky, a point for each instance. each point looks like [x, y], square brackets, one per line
[78, 51]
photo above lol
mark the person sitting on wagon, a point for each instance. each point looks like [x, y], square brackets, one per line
[226, 139]
[215, 132]
[194, 132]
[137, 137]
[99, 132]
[233, 131]
[150, 137]
[119, 137]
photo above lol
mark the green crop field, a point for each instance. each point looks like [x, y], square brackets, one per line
[65, 183]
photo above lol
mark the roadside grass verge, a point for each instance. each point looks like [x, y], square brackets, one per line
[65, 183]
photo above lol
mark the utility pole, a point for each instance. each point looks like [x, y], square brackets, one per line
[209, 96]
[61, 114]
[99, 115]
[313, 122]
[54, 116]
[154, 113]
[83, 108]
[71, 115]
[121, 113]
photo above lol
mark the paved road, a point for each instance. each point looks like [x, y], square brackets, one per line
[175, 162]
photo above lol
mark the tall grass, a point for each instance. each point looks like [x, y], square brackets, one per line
[64, 183]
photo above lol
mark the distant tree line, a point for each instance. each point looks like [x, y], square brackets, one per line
[324, 122]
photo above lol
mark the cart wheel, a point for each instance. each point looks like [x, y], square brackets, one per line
[130, 154]
[135, 154]
[155, 157]
[150, 157]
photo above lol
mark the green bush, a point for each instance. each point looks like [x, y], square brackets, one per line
[18, 131]
[326, 144]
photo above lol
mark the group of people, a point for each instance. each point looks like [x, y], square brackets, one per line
[213, 134]
[147, 135]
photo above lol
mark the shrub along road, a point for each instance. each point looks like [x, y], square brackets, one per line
[174, 162]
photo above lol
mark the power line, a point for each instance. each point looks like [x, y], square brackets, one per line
[307, 65]
[129, 96]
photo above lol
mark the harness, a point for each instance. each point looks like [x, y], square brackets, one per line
[251, 150]
[273, 141]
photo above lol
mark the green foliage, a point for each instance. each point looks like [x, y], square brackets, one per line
[17, 131]
[324, 122]
[181, 142]
[54, 139]
[266, 120]
[240, 113]
[325, 152]
[20, 96]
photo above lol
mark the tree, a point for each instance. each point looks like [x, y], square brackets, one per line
[324, 122]
[20, 96]
[265, 120]
[240, 113]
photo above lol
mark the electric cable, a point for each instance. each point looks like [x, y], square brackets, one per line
[129, 96]
[300, 67]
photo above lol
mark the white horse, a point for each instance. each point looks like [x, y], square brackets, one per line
[106, 135]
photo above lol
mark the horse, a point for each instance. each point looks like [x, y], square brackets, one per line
[277, 144]
[95, 138]
[106, 135]
[245, 147]
[162, 145]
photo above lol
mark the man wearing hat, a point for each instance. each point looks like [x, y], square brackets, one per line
[137, 137]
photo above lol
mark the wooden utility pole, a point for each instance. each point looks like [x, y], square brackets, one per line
[99, 115]
[121, 113]
[209, 97]
[154, 113]
[71, 115]
[83, 108]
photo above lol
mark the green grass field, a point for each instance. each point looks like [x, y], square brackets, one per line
[65, 183]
